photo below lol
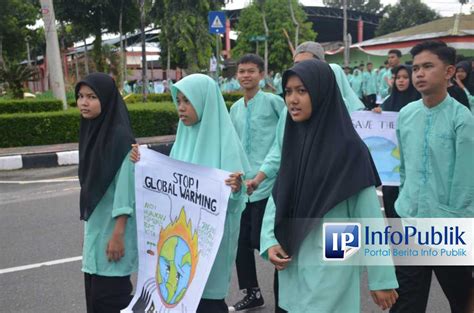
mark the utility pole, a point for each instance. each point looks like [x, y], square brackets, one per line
[142, 29]
[346, 42]
[52, 52]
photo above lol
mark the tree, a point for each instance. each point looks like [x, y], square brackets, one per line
[278, 20]
[366, 6]
[14, 75]
[184, 33]
[95, 16]
[405, 14]
[15, 16]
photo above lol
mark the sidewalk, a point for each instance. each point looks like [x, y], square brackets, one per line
[64, 154]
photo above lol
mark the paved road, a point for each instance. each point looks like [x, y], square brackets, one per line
[39, 223]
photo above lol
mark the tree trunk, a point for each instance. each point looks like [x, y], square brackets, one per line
[297, 25]
[97, 55]
[122, 51]
[266, 42]
[86, 58]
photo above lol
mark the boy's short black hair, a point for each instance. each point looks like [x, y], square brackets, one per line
[395, 51]
[439, 48]
[252, 58]
[369, 63]
[385, 62]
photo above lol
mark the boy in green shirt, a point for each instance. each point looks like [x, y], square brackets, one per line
[255, 117]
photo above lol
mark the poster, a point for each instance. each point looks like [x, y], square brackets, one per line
[181, 210]
[378, 130]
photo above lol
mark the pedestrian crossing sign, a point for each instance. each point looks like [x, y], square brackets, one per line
[216, 22]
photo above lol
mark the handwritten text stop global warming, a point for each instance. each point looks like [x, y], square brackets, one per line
[186, 186]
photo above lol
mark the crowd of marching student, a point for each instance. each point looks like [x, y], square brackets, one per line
[374, 86]
[301, 161]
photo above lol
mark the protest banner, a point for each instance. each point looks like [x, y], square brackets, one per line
[378, 131]
[181, 210]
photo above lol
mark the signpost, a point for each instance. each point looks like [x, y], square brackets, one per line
[216, 21]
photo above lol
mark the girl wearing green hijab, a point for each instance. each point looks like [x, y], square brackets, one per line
[356, 83]
[206, 137]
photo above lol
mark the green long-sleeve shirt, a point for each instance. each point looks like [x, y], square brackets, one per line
[309, 284]
[255, 124]
[437, 158]
[119, 199]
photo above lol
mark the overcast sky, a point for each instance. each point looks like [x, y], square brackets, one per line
[443, 7]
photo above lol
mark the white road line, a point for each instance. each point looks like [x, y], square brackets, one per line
[30, 266]
[41, 181]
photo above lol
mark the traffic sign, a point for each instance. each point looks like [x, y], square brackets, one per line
[216, 22]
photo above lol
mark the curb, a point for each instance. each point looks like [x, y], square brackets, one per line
[62, 158]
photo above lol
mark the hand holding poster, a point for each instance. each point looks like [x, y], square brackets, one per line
[378, 131]
[181, 210]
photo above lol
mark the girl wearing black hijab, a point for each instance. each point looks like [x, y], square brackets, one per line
[326, 171]
[464, 78]
[403, 92]
[107, 198]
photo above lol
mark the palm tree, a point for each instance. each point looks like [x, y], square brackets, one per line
[14, 75]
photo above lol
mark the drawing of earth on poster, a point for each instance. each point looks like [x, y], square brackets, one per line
[378, 131]
[180, 213]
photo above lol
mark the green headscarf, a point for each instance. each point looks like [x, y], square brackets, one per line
[351, 100]
[212, 141]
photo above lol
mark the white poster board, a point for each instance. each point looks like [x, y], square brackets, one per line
[180, 213]
[378, 131]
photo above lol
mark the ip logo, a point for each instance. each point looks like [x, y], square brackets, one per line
[340, 240]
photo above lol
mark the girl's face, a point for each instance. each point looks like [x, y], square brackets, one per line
[88, 103]
[460, 73]
[186, 111]
[297, 99]
[402, 80]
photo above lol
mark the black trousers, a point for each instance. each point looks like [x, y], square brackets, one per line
[212, 306]
[275, 292]
[370, 101]
[390, 195]
[107, 294]
[249, 240]
[415, 282]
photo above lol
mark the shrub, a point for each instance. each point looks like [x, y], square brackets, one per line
[33, 105]
[26, 129]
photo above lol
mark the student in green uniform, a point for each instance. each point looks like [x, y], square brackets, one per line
[107, 197]
[326, 171]
[356, 83]
[464, 81]
[254, 117]
[383, 75]
[369, 87]
[206, 137]
[435, 135]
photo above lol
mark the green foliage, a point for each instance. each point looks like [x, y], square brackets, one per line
[153, 97]
[93, 16]
[366, 6]
[405, 14]
[278, 18]
[184, 30]
[14, 74]
[26, 129]
[27, 106]
[166, 97]
[15, 15]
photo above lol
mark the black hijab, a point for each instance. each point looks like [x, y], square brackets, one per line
[468, 82]
[323, 161]
[398, 99]
[103, 143]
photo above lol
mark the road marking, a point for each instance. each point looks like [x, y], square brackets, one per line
[36, 265]
[41, 181]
